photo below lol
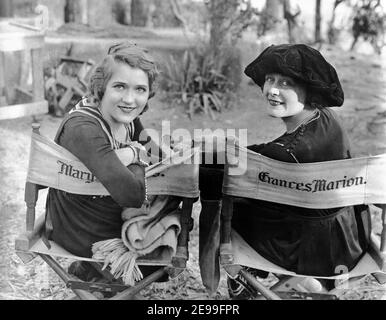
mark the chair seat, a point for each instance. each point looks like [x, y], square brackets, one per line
[245, 255]
[58, 251]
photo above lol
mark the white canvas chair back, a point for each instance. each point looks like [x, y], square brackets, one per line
[329, 184]
[319, 185]
[53, 166]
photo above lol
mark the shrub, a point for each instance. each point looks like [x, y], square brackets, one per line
[199, 81]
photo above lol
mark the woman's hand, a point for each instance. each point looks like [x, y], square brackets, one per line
[126, 155]
[135, 153]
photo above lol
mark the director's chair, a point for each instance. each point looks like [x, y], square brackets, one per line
[176, 176]
[246, 175]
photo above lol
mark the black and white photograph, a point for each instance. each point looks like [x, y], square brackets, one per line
[192, 155]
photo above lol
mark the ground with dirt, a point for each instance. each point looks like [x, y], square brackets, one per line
[364, 80]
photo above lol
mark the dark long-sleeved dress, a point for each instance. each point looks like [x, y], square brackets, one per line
[307, 241]
[77, 221]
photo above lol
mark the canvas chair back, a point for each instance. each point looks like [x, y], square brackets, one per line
[329, 184]
[53, 166]
[319, 185]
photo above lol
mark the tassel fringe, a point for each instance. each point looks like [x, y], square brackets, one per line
[121, 261]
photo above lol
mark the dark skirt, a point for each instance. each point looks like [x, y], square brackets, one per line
[78, 220]
[320, 246]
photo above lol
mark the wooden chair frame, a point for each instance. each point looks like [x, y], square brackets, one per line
[34, 231]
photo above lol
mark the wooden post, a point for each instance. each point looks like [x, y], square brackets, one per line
[3, 100]
[37, 74]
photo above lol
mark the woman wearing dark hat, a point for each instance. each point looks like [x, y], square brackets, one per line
[299, 86]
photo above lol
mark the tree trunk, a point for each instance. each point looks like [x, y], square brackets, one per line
[217, 21]
[139, 13]
[273, 9]
[331, 33]
[318, 20]
[271, 17]
[290, 16]
[69, 11]
[221, 13]
[6, 8]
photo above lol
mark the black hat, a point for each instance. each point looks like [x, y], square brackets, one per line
[302, 63]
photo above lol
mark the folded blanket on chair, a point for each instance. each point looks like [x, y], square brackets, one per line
[150, 232]
[156, 226]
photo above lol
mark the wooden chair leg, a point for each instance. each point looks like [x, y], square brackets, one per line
[131, 292]
[380, 277]
[84, 295]
[383, 233]
[258, 286]
[182, 253]
[226, 256]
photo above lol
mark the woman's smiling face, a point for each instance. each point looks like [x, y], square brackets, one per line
[126, 94]
[285, 97]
